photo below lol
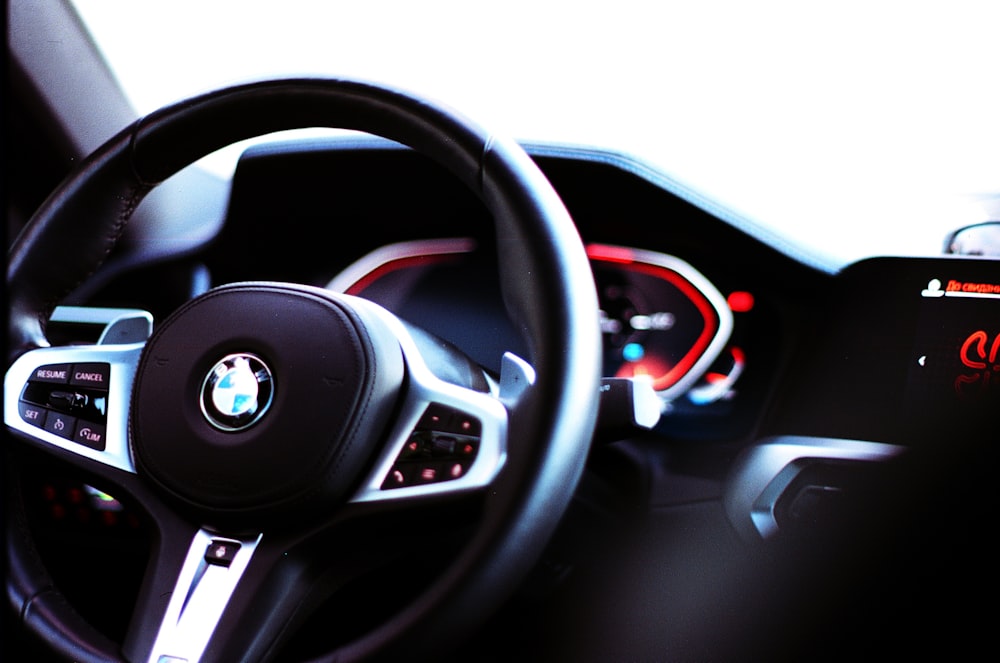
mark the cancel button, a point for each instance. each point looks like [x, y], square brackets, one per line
[93, 376]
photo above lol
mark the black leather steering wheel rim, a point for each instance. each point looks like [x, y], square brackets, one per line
[544, 273]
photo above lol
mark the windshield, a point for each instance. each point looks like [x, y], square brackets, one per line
[850, 130]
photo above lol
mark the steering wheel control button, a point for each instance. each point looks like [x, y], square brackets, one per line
[399, 477]
[69, 400]
[60, 424]
[237, 392]
[442, 448]
[32, 414]
[90, 435]
[221, 553]
[94, 376]
[55, 373]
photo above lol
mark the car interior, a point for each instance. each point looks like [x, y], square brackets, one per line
[419, 391]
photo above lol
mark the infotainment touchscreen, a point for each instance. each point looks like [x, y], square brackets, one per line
[953, 379]
[907, 352]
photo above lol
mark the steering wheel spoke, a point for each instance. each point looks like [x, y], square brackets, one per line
[187, 592]
[448, 438]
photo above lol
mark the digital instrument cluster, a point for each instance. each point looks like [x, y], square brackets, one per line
[661, 320]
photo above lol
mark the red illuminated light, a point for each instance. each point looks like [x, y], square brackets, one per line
[740, 301]
[393, 266]
[979, 339]
[606, 253]
[739, 360]
[662, 374]
[974, 356]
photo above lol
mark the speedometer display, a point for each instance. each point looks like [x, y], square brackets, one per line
[660, 318]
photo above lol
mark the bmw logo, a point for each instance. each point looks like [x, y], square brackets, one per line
[237, 392]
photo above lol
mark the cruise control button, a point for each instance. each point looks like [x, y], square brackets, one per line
[94, 376]
[67, 400]
[32, 414]
[90, 435]
[60, 424]
[55, 373]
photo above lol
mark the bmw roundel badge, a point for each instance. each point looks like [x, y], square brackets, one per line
[237, 392]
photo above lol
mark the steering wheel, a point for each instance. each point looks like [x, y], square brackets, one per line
[283, 440]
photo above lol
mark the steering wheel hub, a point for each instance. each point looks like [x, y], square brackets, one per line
[257, 399]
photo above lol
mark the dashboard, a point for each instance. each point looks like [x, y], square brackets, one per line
[740, 341]
[739, 338]
[778, 382]
[704, 322]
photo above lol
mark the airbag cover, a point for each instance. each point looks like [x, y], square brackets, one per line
[327, 383]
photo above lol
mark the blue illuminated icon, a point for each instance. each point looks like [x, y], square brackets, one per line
[633, 352]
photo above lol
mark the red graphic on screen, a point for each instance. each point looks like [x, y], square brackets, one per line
[979, 356]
